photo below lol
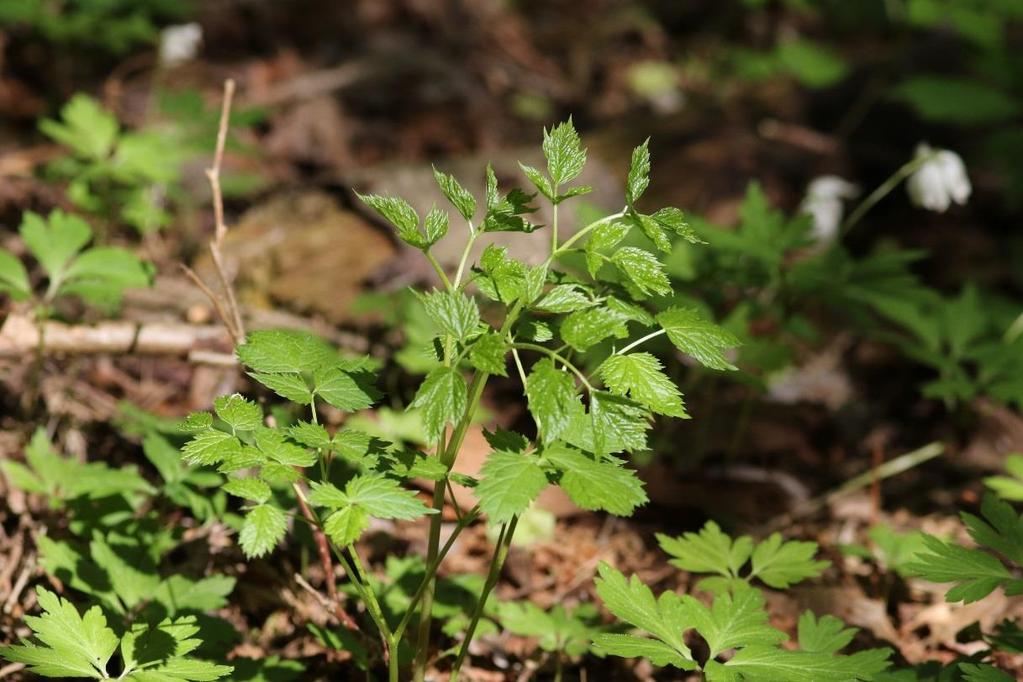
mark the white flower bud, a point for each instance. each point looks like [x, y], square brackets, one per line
[823, 201]
[179, 44]
[939, 181]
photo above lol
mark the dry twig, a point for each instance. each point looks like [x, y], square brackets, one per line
[226, 305]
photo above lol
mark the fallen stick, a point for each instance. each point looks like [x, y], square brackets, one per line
[20, 337]
[894, 467]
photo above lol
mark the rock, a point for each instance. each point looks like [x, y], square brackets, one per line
[303, 252]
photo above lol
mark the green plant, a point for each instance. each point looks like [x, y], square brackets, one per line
[741, 644]
[68, 644]
[340, 480]
[559, 631]
[114, 556]
[114, 26]
[97, 275]
[123, 175]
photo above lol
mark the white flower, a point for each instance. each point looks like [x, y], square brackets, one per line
[823, 201]
[179, 44]
[939, 181]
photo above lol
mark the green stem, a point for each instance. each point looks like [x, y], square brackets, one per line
[439, 270]
[431, 571]
[637, 342]
[447, 458]
[558, 357]
[465, 255]
[554, 226]
[883, 190]
[581, 233]
[496, 564]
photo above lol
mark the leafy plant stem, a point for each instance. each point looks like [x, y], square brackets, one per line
[518, 365]
[581, 233]
[439, 270]
[473, 234]
[323, 548]
[554, 226]
[638, 342]
[368, 598]
[448, 457]
[883, 190]
[497, 563]
[431, 571]
[557, 357]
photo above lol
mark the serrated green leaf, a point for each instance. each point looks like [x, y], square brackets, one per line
[271, 443]
[197, 421]
[698, 337]
[210, 447]
[310, 435]
[238, 413]
[772, 664]
[178, 594]
[130, 571]
[251, 489]
[289, 386]
[488, 354]
[709, 551]
[565, 298]
[653, 230]
[64, 644]
[400, 214]
[106, 271]
[577, 191]
[85, 127]
[460, 198]
[828, 635]
[673, 220]
[243, 457]
[639, 173]
[506, 213]
[435, 225]
[640, 376]
[327, 495]
[564, 152]
[385, 498]
[603, 484]
[341, 390]
[552, 399]
[1009, 487]
[55, 240]
[585, 328]
[733, 620]
[262, 530]
[1000, 529]
[346, 525]
[977, 672]
[643, 270]
[442, 398]
[164, 456]
[501, 278]
[631, 646]
[277, 351]
[453, 312]
[538, 180]
[618, 425]
[509, 483]
[633, 602]
[13, 277]
[975, 572]
[781, 564]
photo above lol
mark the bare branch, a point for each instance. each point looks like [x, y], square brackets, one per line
[227, 308]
